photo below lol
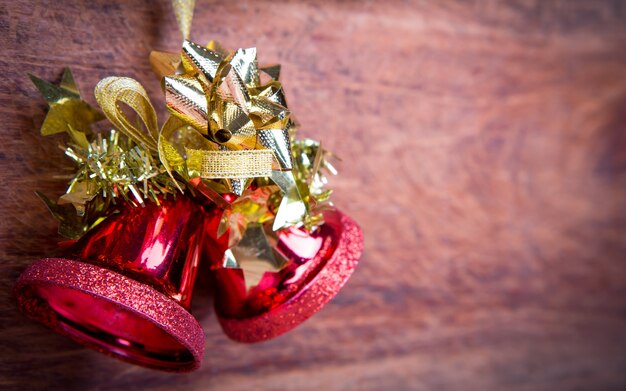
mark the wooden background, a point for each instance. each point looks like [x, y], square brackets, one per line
[484, 154]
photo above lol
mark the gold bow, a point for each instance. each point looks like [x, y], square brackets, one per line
[241, 109]
[236, 105]
[220, 95]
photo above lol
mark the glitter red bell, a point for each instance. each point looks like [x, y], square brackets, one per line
[124, 288]
[261, 296]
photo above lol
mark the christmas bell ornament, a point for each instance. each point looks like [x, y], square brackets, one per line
[289, 250]
[264, 291]
[124, 288]
[223, 180]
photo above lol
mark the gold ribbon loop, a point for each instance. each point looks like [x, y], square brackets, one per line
[113, 90]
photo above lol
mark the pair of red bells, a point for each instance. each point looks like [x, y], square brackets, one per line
[125, 287]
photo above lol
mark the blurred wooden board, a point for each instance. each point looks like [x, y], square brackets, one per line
[484, 154]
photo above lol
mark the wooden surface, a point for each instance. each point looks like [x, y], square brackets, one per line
[484, 154]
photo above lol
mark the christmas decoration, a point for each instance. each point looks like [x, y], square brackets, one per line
[124, 288]
[224, 180]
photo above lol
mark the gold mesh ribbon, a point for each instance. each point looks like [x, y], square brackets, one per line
[239, 164]
[112, 91]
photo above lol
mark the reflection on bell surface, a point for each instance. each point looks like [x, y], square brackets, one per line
[124, 288]
[263, 292]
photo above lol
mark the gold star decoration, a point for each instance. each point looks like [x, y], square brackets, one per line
[68, 112]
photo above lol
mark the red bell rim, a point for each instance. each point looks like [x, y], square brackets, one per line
[111, 313]
[315, 295]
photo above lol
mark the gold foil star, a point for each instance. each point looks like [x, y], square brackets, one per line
[68, 112]
[254, 254]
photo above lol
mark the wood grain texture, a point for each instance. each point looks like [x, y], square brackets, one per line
[484, 150]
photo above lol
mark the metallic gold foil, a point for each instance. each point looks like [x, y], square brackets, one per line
[277, 140]
[164, 63]
[197, 59]
[241, 115]
[255, 256]
[292, 209]
[245, 64]
[66, 106]
[186, 100]
[311, 167]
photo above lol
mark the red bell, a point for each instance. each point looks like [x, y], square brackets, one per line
[254, 304]
[125, 287]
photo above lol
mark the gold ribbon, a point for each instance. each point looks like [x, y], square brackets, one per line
[240, 164]
[184, 14]
[112, 91]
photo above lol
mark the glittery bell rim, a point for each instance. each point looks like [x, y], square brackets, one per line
[313, 297]
[111, 313]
